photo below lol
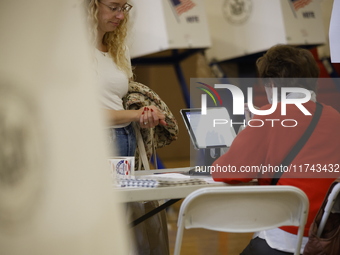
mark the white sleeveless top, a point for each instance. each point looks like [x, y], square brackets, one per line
[113, 82]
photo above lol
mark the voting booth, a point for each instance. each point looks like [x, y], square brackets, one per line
[244, 27]
[159, 25]
[56, 194]
[334, 37]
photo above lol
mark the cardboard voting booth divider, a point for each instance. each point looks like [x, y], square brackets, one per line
[159, 25]
[244, 27]
[334, 36]
[56, 194]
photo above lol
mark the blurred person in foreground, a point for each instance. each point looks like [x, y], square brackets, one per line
[268, 145]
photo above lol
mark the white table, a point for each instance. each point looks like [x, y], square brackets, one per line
[172, 194]
[128, 194]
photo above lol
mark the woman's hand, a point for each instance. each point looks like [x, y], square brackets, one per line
[151, 116]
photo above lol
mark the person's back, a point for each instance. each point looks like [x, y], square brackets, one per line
[264, 148]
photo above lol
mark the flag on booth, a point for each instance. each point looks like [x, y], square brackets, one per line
[297, 4]
[182, 6]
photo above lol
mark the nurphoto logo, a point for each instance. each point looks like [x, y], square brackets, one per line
[239, 104]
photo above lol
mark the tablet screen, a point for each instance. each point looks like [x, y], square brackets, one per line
[212, 130]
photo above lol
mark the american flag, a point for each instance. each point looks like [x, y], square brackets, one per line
[297, 4]
[182, 6]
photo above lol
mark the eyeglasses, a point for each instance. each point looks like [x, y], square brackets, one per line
[125, 8]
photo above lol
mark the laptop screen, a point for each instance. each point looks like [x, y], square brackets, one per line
[212, 130]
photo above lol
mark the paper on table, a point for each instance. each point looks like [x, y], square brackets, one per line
[161, 180]
[163, 176]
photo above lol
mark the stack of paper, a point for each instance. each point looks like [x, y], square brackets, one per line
[161, 180]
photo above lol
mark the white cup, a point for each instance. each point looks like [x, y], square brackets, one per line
[122, 167]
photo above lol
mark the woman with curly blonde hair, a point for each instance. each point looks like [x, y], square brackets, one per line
[108, 27]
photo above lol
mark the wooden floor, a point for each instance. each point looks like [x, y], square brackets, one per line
[201, 241]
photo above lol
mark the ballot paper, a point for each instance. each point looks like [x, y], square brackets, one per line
[161, 180]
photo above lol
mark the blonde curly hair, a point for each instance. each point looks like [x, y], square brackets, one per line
[115, 40]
